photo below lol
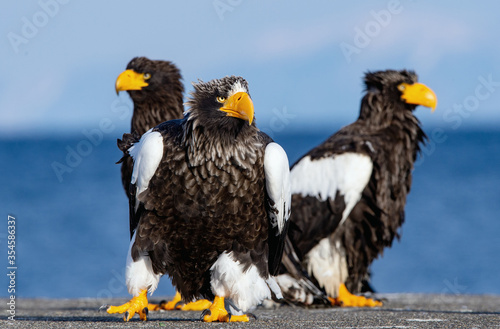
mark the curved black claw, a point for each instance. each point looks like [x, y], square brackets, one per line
[161, 303]
[251, 315]
[205, 312]
[103, 307]
[125, 316]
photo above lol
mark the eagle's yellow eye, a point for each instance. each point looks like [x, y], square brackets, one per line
[147, 76]
[221, 99]
[402, 87]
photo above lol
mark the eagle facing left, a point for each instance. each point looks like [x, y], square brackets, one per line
[212, 199]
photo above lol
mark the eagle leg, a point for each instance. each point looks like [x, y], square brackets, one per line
[177, 304]
[199, 305]
[346, 299]
[167, 306]
[218, 312]
[138, 304]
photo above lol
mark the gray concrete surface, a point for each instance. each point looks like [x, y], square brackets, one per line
[399, 311]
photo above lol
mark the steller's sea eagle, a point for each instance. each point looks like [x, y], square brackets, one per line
[156, 90]
[349, 193]
[211, 194]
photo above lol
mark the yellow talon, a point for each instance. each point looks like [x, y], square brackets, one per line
[169, 306]
[199, 305]
[217, 312]
[172, 305]
[138, 304]
[346, 299]
[154, 307]
[176, 304]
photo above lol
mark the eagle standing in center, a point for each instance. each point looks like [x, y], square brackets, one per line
[212, 197]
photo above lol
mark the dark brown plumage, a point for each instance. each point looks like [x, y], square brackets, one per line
[201, 192]
[198, 200]
[156, 90]
[354, 210]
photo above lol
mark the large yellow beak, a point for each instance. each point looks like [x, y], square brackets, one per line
[239, 105]
[130, 80]
[418, 94]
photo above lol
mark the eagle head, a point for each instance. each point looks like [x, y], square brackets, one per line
[145, 78]
[223, 102]
[400, 86]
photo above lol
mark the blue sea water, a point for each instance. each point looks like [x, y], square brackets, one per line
[72, 222]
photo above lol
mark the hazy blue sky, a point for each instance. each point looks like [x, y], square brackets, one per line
[304, 62]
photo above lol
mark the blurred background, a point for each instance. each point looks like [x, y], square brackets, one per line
[60, 117]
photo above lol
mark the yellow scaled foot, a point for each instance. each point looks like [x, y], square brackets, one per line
[199, 305]
[167, 306]
[176, 304]
[346, 299]
[217, 312]
[138, 304]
